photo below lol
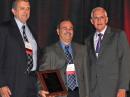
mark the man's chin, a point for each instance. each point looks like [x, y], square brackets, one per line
[69, 41]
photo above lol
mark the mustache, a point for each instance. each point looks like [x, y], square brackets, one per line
[70, 33]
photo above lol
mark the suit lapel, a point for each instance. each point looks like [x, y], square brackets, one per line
[75, 52]
[59, 51]
[106, 38]
[75, 56]
[91, 47]
[33, 34]
[16, 33]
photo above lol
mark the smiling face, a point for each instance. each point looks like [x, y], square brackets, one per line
[65, 32]
[22, 11]
[99, 19]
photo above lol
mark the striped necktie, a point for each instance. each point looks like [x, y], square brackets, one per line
[98, 46]
[71, 78]
[29, 55]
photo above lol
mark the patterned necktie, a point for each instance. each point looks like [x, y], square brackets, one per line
[71, 78]
[29, 55]
[68, 55]
[98, 47]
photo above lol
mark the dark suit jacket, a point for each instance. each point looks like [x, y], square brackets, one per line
[110, 71]
[54, 58]
[13, 59]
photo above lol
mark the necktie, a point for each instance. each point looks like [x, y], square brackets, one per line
[71, 78]
[29, 55]
[98, 47]
[68, 55]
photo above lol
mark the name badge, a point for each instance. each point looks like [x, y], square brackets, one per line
[28, 48]
[70, 69]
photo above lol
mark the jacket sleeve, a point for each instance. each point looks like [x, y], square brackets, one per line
[3, 37]
[124, 61]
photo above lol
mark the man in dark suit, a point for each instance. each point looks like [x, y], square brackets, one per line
[18, 54]
[55, 57]
[109, 55]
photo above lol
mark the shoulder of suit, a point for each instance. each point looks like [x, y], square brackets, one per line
[51, 47]
[115, 30]
[5, 24]
[78, 45]
[4, 27]
[89, 38]
[80, 49]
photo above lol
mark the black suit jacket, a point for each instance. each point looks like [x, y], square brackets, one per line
[110, 71]
[13, 59]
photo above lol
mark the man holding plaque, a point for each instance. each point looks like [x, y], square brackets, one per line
[70, 58]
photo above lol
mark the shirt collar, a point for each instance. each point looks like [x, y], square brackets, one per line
[19, 23]
[102, 32]
[63, 45]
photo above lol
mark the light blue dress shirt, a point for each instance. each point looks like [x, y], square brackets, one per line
[31, 41]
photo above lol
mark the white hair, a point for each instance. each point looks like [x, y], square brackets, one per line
[98, 8]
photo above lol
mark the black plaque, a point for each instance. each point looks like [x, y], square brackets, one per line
[52, 82]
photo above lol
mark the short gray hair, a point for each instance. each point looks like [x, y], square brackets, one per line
[98, 8]
[14, 4]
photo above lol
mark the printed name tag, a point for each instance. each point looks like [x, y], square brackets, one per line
[28, 45]
[28, 48]
[70, 69]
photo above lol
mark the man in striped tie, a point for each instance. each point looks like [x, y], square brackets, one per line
[109, 58]
[70, 58]
[19, 54]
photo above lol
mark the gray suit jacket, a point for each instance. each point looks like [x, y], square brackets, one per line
[109, 72]
[54, 58]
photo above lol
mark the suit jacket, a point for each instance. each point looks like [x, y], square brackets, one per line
[109, 72]
[54, 58]
[13, 59]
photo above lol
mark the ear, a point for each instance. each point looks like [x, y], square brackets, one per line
[106, 20]
[57, 30]
[91, 20]
[13, 11]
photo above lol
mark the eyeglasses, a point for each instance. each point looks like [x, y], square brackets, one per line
[99, 18]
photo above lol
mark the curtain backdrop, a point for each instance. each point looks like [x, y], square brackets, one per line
[45, 15]
[127, 18]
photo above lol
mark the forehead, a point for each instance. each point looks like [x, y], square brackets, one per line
[99, 12]
[66, 23]
[22, 3]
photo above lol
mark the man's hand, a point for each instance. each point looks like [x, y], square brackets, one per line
[121, 93]
[44, 93]
[5, 91]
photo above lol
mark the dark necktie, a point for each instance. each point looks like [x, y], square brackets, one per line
[71, 81]
[98, 47]
[29, 55]
[68, 55]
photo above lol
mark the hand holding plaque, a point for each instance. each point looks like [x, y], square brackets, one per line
[51, 81]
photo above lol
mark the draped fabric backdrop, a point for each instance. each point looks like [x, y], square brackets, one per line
[127, 18]
[45, 14]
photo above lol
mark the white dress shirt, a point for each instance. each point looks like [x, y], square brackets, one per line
[96, 37]
[31, 41]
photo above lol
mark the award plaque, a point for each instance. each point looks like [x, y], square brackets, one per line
[51, 81]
